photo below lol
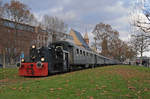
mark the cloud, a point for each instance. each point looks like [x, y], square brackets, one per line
[57, 9]
[122, 25]
[84, 15]
[120, 21]
[118, 8]
[66, 1]
[68, 16]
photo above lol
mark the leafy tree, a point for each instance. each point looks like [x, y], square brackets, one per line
[111, 46]
[104, 46]
[18, 12]
[104, 35]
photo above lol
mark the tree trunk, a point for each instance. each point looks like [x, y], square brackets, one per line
[141, 58]
[95, 45]
[53, 36]
[141, 54]
[11, 60]
[4, 61]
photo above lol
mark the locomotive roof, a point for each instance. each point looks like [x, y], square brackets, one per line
[70, 44]
[64, 42]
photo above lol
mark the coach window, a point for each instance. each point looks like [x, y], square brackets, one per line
[77, 51]
[91, 55]
[81, 52]
[84, 53]
[87, 53]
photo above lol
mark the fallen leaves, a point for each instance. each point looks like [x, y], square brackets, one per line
[78, 93]
[139, 97]
[20, 88]
[4, 80]
[92, 81]
[91, 97]
[128, 95]
[132, 88]
[98, 88]
[67, 81]
[83, 90]
[104, 92]
[59, 88]
[15, 76]
[103, 86]
[129, 82]
[146, 89]
[51, 89]
[66, 85]
[55, 89]
[139, 92]
[13, 88]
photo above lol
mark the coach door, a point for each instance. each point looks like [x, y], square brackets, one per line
[58, 59]
[65, 60]
[95, 58]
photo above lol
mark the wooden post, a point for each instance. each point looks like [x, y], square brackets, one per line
[4, 62]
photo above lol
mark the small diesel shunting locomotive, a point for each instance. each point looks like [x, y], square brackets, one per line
[61, 56]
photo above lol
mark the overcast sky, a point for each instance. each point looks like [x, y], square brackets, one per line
[83, 15]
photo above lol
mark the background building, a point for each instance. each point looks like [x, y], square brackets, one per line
[79, 40]
[16, 38]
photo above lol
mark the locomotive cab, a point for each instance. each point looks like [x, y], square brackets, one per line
[60, 58]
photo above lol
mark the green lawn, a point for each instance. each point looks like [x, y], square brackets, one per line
[111, 82]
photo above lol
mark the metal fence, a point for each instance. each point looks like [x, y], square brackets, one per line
[7, 62]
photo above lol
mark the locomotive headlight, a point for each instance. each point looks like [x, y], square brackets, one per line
[22, 60]
[33, 46]
[42, 59]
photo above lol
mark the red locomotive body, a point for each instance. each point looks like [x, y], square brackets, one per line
[36, 64]
[31, 69]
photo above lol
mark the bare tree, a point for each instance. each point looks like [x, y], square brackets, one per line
[140, 26]
[144, 25]
[3, 53]
[54, 25]
[1, 9]
[140, 43]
